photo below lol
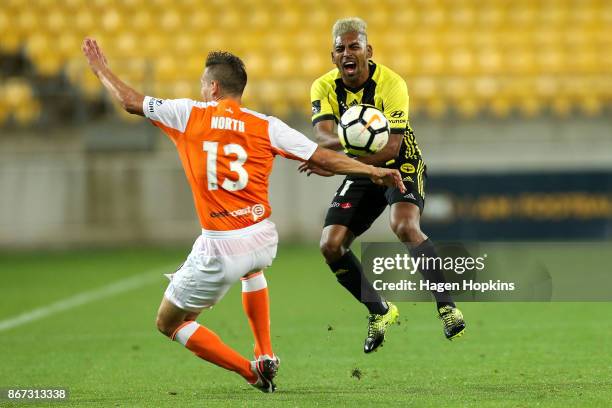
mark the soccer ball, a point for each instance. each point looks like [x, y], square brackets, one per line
[362, 130]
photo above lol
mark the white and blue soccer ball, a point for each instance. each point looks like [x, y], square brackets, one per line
[363, 130]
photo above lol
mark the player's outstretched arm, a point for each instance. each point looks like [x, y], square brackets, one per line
[129, 99]
[325, 137]
[338, 163]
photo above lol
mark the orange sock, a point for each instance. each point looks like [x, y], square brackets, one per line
[256, 303]
[207, 345]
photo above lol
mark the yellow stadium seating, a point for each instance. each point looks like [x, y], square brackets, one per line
[469, 56]
[18, 101]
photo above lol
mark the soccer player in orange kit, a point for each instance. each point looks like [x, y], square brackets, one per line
[227, 153]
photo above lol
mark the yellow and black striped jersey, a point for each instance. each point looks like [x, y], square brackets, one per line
[384, 89]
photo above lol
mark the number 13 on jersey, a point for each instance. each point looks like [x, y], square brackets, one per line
[235, 166]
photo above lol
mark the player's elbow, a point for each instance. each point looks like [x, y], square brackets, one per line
[130, 106]
[163, 327]
[126, 107]
[131, 109]
[391, 150]
[131, 102]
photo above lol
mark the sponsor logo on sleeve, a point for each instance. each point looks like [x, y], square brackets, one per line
[153, 103]
[316, 107]
[397, 117]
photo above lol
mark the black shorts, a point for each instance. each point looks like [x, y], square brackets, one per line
[358, 202]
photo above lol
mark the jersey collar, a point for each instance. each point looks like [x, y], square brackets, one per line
[228, 105]
[372, 68]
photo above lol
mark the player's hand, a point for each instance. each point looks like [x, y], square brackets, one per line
[389, 178]
[312, 169]
[95, 56]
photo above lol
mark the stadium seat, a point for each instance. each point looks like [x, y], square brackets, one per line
[436, 107]
[28, 113]
[66, 44]
[141, 21]
[591, 105]
[561, 106]
[256, 65]
[488, 61]
[468, 107]
[424, 87]
[56, 21]
[113, 22]
[530, 106]
[170, 20]
[433, 62]
[90, 84]
[500, 106]
[49, 64]
[19, 101]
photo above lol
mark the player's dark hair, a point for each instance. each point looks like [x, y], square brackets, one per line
[229, 70]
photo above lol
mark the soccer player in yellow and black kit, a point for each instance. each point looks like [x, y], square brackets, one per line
[358, 202]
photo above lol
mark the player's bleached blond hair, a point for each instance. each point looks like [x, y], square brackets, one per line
[349, 25]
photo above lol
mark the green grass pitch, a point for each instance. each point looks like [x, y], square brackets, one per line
[109, 354]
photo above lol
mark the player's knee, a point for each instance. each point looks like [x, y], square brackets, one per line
[331, 249]
[408, 231]
[163, 327]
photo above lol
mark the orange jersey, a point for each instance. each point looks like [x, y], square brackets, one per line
[227, 152]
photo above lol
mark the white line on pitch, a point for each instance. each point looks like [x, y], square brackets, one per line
[120, 286]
